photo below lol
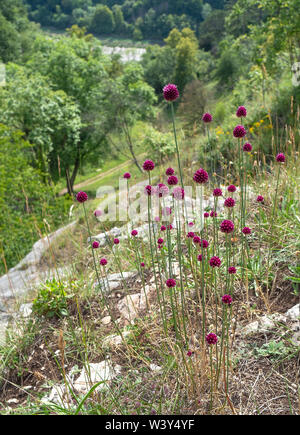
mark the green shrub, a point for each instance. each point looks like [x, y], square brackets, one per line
[52, 300]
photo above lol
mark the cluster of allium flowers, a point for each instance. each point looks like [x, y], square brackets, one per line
[246, 230]
[204, 244]
[190, 235]
[211, 339]
[148, 165]
[170, 171]
[227, 299]
[215, 262]
[229, 202]
[206, 214]
[134, 233]
[207, 117]
[213, 214]
[231, 188]
[160, 241]
[95, 245]
[116, 241]
[178, 193]
[227, 226]
[142, 264]
[231, 270]
[239, 131]
[189, 353]
[170, 283]
[247, 147]
[260, 198]
[199, 258]
[163, 228]
[103, 262]
[191, 224]
[127, 175]
[171, 92]
[280, 158]
[196, 239]
[81, 197]
[97, 213]
[241, 112]
[217, 192]
[148, 190]
[172, 180]
[201, 176]
[162, 190]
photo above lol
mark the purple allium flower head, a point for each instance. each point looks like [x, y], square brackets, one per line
[231, 270]
[148, 165]
[280, 158]
[190, 235]
[206, 214]
[178, 193]
[227, 299]
[196, 239]
[157, 218]
[103, 262]
[199, 258]
[260, 198]
[227, 226]
[148, 190]
[189, 353]
[217, 192]
[239, 131]
[207, 117]
[81, 197]
[95, 245]
[170, 92]
[134, 233]
[211, 338]
[162, 190]
[170, 283]
[204, 244]
[172, 180]
[142, 264]
[246, 230]
[160, 241]
[191, 224]
[241, 112]
[213, 214]
[229, 202]
[170, 171]
[200, 176]
[231, 188]
[163, 228]
[247, 147]
[170, 227]
[127, 175]
[116, 241]
[97, 213]
[215, 262]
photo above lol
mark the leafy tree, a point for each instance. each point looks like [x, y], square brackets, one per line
[103, 20]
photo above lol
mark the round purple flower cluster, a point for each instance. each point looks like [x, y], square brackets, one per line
[148, 165]
[204, 244]
[207, 117]
[241, 112]
[260, 198]
[127, 175]
[280, 158]
[247, 147]
[239, 131]
[231, 188]
[148, 190]
[170, 283]
[170, 171]
[196, 239]
[227, 299]
[201, 176]
[217, 192]
[227, 226]
[229, 202]
[81, 197]
[231, 270]
[95, 245]
[171, 92]
[206, 214]
[190, 235]
[178, 193]
[215, 262]
[162, 190]
[116, 241]
[172, 180]
[134, 233]
[103, 262]
[246, 230]
[199, 258]
[211, 338]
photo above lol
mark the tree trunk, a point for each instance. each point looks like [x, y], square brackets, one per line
[75, 170]
[130, 145]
